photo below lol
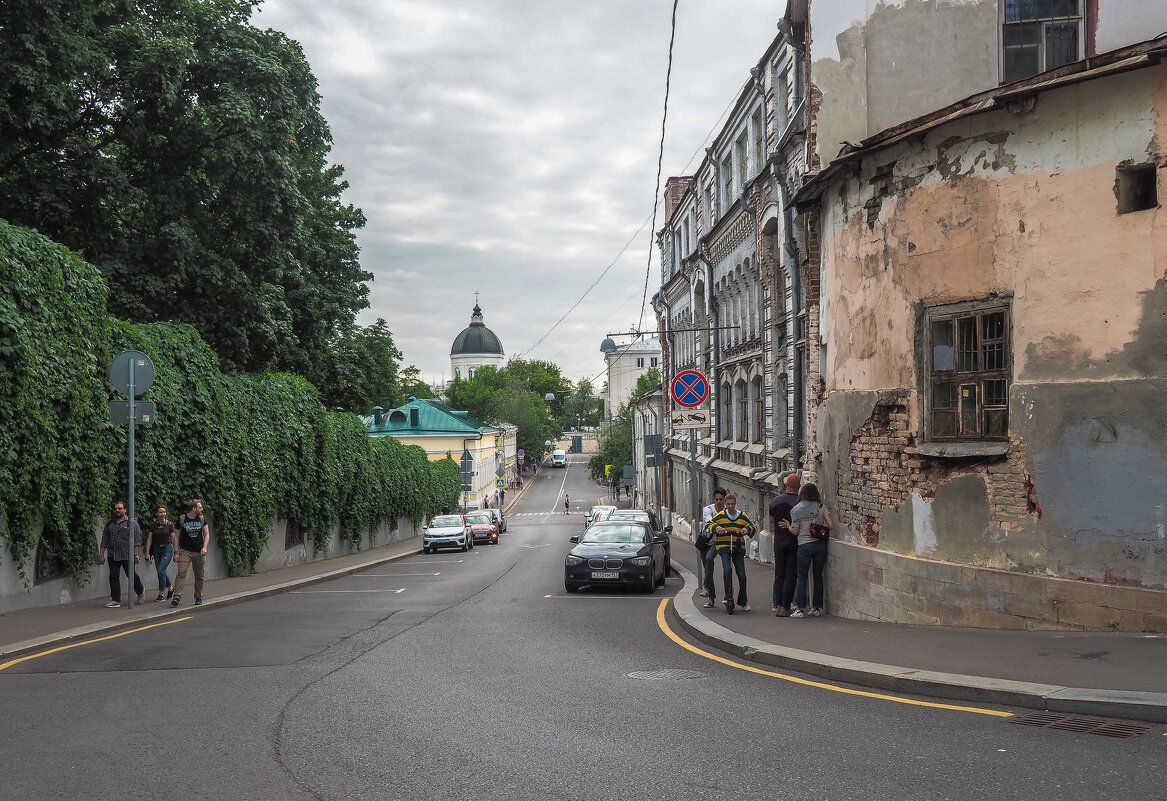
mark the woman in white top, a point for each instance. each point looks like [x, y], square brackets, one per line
[811, 521]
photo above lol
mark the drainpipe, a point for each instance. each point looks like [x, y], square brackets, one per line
[668, 369]
[716, 313]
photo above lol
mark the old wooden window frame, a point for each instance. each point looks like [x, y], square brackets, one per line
[970, 369]
[1030, 24]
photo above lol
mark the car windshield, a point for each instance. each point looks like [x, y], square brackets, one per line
[616, 533]
[446, 522]
[621, 514]
[484, 518]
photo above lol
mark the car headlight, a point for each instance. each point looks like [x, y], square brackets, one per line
[573, 560]
[640, 561]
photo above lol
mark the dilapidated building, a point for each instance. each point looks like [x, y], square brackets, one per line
[988, 310]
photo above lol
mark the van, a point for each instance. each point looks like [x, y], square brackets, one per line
[558, 458]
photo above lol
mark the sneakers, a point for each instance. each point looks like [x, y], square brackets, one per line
[798, 613]
[112, 605]
[169, 593]
[198, 601]
[745, 607]
[177, 600]
[728, 605]
[773, 607]
[160, 597]
[139, 597]
[707, 605]
[704, 593]
[816, 612]
[781, 611]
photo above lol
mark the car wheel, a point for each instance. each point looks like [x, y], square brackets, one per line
[425, 549]
[663, 576]
[465, 547]
[470, 543]
[567, 585]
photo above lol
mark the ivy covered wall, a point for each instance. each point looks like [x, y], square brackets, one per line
[254, 448]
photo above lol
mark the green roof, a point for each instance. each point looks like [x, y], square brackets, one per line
[421, 417]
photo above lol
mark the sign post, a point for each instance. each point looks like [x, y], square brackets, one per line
[690, 391]
[131, 373]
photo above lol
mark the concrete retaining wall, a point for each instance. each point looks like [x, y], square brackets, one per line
[14, 595]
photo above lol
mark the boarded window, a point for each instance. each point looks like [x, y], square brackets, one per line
[970, 371]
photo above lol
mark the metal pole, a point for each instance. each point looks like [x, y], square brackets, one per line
[693, 495]
[131, 567]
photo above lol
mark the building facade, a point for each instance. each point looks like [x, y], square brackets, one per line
[625, 365]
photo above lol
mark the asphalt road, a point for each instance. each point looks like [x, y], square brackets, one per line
[475, 676]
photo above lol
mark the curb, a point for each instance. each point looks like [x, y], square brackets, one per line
[1143, 706]
[81, 632]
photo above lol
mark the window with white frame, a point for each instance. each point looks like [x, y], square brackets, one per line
[710, 212]
[1039, 35]
[742, 157]
[685, 248]
[640, 361]
[652, 362]
[971, 366]
[727, 183]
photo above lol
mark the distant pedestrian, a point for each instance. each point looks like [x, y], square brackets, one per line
[445, 508]
[566, 501]
[502, 497]
[785, 547]
[730, 528]
[160, 544]
[811, 521]
[194, 537]
[120, 539]
[708, 554]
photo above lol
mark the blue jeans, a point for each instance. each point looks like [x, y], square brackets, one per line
[785, 570]
[811, 556]
[162, 557]
[731, 562]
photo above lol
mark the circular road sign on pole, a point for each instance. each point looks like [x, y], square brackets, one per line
[690, 389]
[141, 376]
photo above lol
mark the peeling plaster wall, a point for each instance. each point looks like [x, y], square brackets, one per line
[1021, 205]
[880, 63]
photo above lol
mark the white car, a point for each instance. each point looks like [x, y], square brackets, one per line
[446, 531]
[598, 513]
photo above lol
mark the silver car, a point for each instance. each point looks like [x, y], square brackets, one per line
[446, 531]
[597, 513]
[500, 519]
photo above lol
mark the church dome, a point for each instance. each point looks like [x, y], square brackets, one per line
[477, 338]
[607, 346]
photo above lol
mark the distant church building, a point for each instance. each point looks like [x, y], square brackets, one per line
[475, 346]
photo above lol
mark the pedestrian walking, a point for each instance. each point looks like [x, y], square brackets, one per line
[812, 522]
[502, 498]
[194, 537]
[730, 528]
[160, 544]
[120, 540]
[566, 501]
[785, 547]
[708, 554]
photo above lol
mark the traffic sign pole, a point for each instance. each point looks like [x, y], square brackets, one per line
[690, 389]
[131, 564]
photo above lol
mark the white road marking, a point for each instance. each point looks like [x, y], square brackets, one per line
[585, 595]
[544, 545]
[388, 575]
[329, 592]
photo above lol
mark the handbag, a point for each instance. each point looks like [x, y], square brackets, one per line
[703, 540]
[819, 530]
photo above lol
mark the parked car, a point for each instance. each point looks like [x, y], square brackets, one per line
[616, 553]
[500, 519]
[558, 458]
[597, 513]
[649, 517]
[446, 531]
[482, 526]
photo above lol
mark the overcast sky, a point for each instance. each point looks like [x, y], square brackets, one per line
[510, 147]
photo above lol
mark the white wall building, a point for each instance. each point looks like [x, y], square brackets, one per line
[626, 364]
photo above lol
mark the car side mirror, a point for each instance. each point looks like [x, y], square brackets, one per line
[425, 528]
[575, 538]
[660, 538]
[668, 529]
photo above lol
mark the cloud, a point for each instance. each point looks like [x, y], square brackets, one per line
[510, 147]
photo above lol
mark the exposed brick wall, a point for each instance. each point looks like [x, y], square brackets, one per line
[675, 189]
[812, 368]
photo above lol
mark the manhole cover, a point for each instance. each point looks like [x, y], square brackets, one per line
[1105, 728]
[667, 673]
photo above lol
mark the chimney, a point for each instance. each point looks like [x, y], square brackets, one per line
[414, 417]
[378, 416]
[675, 189]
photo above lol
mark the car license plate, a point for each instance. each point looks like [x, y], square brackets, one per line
[605, 574]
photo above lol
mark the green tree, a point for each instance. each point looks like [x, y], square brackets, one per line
[411, 385]
[649, 381]
[616, 447]
[363, 372]
[501, 396]
[183, 152]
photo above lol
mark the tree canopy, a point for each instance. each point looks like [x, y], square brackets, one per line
[504, 396]
[182, 151]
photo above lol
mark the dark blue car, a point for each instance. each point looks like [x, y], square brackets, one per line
[623, 553]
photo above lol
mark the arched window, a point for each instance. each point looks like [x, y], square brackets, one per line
[741, 400]
[758, 404]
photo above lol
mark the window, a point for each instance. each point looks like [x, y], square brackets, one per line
[640, 361]
[781, 98]
[652, 362]
[1135, 188]
[1040, 35]
[727, 183]
[710, 213]
[740, 431]
[970, 371]
[686, 247]
[742, 157]
[759, 402]
[759, 138]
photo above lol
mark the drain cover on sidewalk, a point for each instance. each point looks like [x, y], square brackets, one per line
[1106, 728]
[666, 673]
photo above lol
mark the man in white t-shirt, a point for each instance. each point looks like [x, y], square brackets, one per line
[708, 555]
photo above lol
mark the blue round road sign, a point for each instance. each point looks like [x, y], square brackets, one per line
[690, 389]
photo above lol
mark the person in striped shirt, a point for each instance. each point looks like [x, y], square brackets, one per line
[729, 528]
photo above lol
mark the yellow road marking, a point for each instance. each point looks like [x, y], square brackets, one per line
[664, 626]
[89, 642]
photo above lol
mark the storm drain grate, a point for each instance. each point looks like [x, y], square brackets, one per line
[1105, 728]
[667, 673]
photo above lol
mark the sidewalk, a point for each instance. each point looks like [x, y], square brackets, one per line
[1090, 673]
